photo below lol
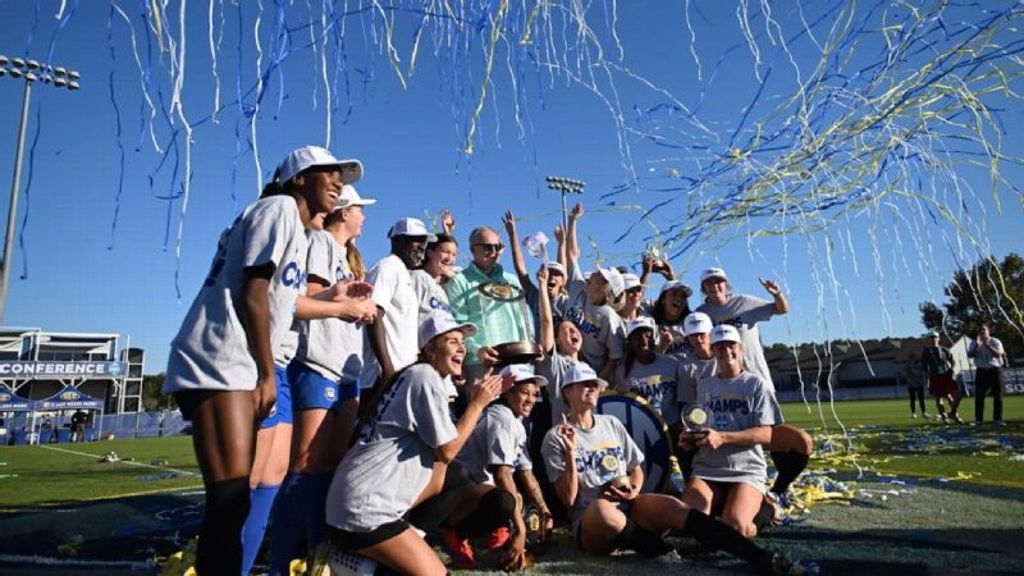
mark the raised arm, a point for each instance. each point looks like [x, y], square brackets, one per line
[509, 220]
[546, 336]
[781, 304]
[571, 240]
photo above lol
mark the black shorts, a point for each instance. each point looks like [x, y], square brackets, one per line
[358, 540]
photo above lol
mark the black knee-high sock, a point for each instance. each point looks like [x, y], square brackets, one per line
[496, 509]
[716, 535]
[764, 516]
[789, 464]
[220, 539]
[641, 540]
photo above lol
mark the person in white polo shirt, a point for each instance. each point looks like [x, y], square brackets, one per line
[989, 358]
[391, 342]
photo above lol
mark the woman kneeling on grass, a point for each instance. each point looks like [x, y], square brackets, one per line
[729, 470]
[595, 467]
[401, 456]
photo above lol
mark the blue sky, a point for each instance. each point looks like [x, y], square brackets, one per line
[81, 277]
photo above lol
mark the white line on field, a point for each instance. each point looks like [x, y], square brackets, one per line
[67, 562]
[128, 462]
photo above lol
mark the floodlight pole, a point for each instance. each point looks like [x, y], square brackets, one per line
[565, 186]
[12, 208]
[61, 78]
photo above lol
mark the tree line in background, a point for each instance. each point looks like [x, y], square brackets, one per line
[990, 292]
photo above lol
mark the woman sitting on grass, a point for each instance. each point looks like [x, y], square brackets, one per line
[729, 470]
[596, 472]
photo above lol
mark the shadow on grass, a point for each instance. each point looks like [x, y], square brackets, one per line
[127, 529]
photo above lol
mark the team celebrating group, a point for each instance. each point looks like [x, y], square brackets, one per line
[378, 411]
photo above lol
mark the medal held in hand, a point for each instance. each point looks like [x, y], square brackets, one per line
[696, 421]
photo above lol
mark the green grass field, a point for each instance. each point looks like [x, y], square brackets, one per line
[923, 498]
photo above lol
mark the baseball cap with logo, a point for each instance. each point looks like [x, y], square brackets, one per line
[614, 278]
[582, 372]
[349, 197]
[440, 322]
[410, 227]
[697, 323]
[639, 323]
[524, 373]
[710, 273]
[724, 333]
[314, 156]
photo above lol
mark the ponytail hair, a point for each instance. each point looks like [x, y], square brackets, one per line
[355, 260]
[273, 188]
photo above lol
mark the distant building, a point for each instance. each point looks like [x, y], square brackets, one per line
[53, 367]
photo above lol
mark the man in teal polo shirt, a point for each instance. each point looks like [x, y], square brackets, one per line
[498, 318]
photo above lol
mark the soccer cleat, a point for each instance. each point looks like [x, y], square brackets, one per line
[926, 416]
[498, 538]
[779, 504]
[943, 417]
[1000, 423]
[913, 415]
[782, 565]
[459, 549]
[956, 418]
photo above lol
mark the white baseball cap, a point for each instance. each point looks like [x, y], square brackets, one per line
[410, 227]
[724, 333]
[614, 278]
[439, 323]
[630, 281]
[675, 285]
[524, 373]
[349, 197]
[582, 372]
[709, 273]
[640, 322]
[697, 323]
[553, 266]
[312, 156]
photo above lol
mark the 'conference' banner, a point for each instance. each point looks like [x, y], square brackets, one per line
[21, 370]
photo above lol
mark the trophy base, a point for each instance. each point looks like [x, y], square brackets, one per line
[518, 353]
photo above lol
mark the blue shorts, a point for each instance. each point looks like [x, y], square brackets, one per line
[313, 391]
[282, 411]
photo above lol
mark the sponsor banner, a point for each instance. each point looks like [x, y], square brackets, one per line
[69, 398]
[18, 370]
[10, 402]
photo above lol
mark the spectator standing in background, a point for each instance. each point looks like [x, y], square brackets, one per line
[989, 358]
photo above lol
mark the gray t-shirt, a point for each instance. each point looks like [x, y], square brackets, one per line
[691, 370]
[655, 382]
[735, 404]
[392, 292]
[554, 367]
[331, 346]
[389, 466]
[211, 350]
[744, 312]
[499, 439]
[601, 326]
[430, 294]
[603, 453]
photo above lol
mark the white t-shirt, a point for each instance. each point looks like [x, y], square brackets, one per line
[330, 346]
[211, 350]
[392, 292]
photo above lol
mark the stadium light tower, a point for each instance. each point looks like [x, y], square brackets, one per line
[30, 71]
[565, 186]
